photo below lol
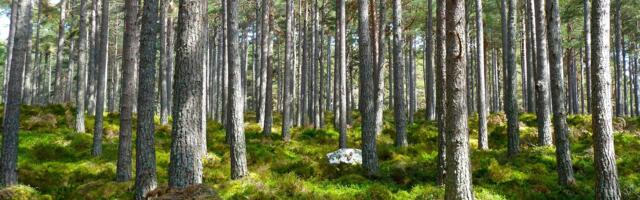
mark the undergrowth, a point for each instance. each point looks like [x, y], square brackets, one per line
[56, 163]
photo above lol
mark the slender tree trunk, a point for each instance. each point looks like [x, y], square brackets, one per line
[267, 71]
[9, 50]
[563, 153]
[378, 71]
[587, 50]
[341, 60]
[185, 166]
[369, 158]
[101, 80]
[542, 77]
[82, 68]
[236, 108]
[509, 51]
[398, 69]
[458, 181]
[11, 117]
[429, 73]
[288, 74]
[618, 59]
[145, 148]
[483, 140]
[440, 62]
[531, 54]
[59, 51]
[607, 186]
[164, 108]
[264, 45]
[130, 43]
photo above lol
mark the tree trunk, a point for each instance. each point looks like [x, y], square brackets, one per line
[369, 157]
[542, 77]
[458, 180]
[378, 71]
[587, 50]
[341, 68]
[618, 59]
[59, 51]
[400, 114]
[82, 68]
[563, 153]
[9, 50]
[531, 54]
[11, 118]
[607, 186]
[440, 61]
[145, 148]
[429, 73]
[101, 80]
[236, 108]
[164, 107]
[185, 167]
[267, 71]
[130, 43]
[509, 51]
[483, 140]
[288, 74]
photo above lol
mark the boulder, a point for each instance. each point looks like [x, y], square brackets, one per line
[345, 156]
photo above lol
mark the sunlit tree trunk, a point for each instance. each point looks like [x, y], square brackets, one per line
[606, 186]
[101, 80]
[542, 77]
[398, 71]
[458, 180]
[440, 63]
[82, 68]
[483, 140]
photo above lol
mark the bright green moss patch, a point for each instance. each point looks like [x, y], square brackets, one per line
[56, 163]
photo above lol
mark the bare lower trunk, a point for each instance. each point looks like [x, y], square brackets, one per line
[563, 153]
[607, 186]
[483, 140]
[440, 62]
[82, 68]
[542, 77]
[458, 181]
[398, 71]
[59, 51]
[101, 80]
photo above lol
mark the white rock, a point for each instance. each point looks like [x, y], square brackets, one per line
[345, 156]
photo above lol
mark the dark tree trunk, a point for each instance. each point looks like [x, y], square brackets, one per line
[9, 49]
[458, 180]
[11, 118]
[618, 59]
[164, 102]
[145, 148]
[185, 167]
[267, 116]
[129, 51]
[607, 186]
[429, 73]
[440, 62]
[369, 157]
[400, 114]
[531, 54]
[563, 153]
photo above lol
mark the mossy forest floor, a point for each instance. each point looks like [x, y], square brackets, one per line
[56, 163]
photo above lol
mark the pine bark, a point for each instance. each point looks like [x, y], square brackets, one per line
[82, 68]
[561, 130]
[458, 180]
[59, 51]
[587, 49]
[288, 74]
[11, 117]
[130, 47]
[511, 104]
[483, 140]
[440, 61]
[101, 80]
[185, 167]
[542, 77]
[341, 60]
[267, 76]
[145, 148]
[400, 115]
[607, 186]
[428, 62]
[369, 157]
[236, 107]
[618, 59]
